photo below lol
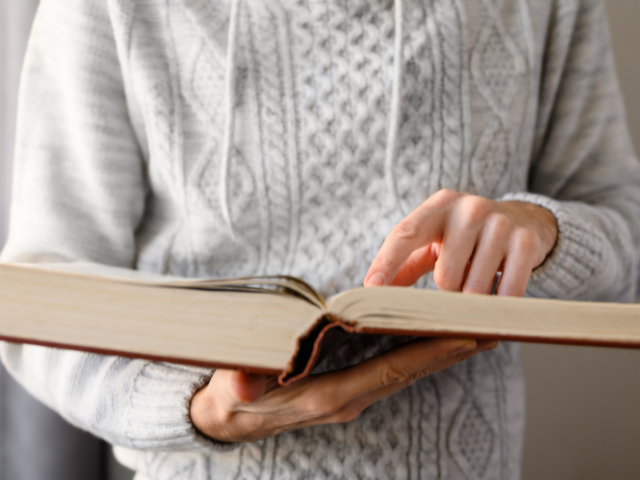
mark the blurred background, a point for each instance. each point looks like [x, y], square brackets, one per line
[583, 420]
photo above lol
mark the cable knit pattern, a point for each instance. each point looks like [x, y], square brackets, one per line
[121, 159]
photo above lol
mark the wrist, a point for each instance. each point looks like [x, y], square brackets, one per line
[547, 228]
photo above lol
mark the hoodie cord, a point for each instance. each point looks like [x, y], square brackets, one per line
[391, 155]
[230, 90]
[396, 106]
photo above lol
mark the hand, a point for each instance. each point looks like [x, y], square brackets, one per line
[237, 407]
[465, 240]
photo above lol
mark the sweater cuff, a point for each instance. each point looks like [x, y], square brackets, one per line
[158, 415]
[570, 267]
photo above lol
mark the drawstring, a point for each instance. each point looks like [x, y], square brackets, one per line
[230, 86]
[396, 105]
[391, 155]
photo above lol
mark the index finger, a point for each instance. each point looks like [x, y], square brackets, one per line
[423, 226]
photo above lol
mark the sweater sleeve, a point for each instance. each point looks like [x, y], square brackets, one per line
[583, 168]
[79, 195]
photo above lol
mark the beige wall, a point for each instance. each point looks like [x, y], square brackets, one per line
[624, 18]
[583, 420]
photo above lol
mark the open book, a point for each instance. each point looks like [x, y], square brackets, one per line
[272, 325]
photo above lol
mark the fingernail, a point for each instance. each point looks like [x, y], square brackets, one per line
[376, 280]
[490, 346]
[464, 347]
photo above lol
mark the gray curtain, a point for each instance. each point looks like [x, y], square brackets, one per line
[35, 442]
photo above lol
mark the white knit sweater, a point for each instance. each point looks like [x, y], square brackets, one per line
[174, 137]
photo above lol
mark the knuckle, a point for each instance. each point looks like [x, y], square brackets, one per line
[313, 408]
[350, 414]
[318, 405]
[411, 379]
[475, 209]
[318, 408]
[392, 374]
[424, 373]
[444, 195]
[526, 242]
[406, 230]
[499, 225]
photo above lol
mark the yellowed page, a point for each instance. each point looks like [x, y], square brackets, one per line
[196, 326]
[397, 310]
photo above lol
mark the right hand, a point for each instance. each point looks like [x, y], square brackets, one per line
[238, 407]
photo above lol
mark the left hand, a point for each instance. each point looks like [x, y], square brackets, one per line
[465, 240]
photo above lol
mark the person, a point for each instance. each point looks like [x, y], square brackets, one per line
[246, 137]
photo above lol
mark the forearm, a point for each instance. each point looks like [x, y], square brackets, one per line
[132, 403]
[583, 165]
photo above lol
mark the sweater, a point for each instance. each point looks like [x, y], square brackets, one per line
[205, 138]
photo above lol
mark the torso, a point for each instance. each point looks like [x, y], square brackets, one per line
[309, 195]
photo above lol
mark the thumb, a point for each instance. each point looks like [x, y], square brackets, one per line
[247, 388]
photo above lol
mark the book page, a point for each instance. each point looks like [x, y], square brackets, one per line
[280, 285]
[415, 311]
[147, 320]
